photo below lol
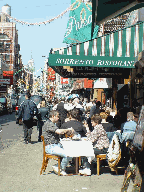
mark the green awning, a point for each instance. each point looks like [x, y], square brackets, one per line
[104, 10]
[115, 50]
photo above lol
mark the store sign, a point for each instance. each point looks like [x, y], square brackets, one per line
[64, 80]
[93, 61]
[102, 83]
[74, 62]
[4, 81]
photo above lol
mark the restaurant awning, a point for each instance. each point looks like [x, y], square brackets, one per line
[109, 54]
[104, 10]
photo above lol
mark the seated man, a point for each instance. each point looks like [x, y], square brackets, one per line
[51, 137]
[75, 123]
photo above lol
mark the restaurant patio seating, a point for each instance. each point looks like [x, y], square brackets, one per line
[46, 158]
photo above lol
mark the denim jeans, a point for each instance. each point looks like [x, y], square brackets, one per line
[96, 152]
[27, 127]
[56, 149]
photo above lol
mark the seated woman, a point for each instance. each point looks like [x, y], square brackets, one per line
[74, 122]
[88, 119]
[99, 139]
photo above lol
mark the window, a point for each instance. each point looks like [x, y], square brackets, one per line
[7, 46]
[7, 58]
[3, 36]
[1, 46]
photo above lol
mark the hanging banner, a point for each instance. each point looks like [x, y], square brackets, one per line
[88, 83]
[51, 74]
[80, 22]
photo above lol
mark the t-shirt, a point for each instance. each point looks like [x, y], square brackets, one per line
[76, 125]
[48, 131]
[108, 127]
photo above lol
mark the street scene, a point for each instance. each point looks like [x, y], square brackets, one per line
[72, 96]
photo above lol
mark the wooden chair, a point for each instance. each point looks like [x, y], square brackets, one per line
[99, 157]
[46, 158]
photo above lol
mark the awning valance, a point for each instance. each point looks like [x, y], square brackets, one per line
[117, 49]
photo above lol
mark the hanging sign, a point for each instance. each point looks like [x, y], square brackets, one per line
[80, 22]
[4, 81]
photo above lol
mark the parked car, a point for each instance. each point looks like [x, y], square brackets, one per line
[13, 101]
[3, 106]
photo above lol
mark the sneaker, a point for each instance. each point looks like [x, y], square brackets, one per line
[63, 173]
[55, 169]
[85, 171]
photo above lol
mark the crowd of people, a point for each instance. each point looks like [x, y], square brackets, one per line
[77, 117]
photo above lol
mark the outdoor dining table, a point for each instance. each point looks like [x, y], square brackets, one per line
[81, 148]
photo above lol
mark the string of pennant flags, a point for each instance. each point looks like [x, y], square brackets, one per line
[24, 68]
[38, 23]
[72, 7]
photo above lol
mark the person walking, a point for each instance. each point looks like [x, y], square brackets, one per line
[95, 109]
[26, 112]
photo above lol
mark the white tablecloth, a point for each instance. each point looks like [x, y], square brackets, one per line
[79, 149]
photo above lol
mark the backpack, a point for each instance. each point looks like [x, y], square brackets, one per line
[28, 111]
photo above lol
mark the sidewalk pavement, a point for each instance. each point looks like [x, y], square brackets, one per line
[20, 166]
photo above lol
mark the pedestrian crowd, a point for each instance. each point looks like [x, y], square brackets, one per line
[76, 117]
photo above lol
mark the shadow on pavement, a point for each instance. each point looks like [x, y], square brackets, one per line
[6, 118]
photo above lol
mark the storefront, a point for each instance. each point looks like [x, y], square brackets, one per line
[110, 56]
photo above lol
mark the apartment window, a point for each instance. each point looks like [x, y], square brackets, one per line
[1, 46]
[7, 57]
[3, 36]
[7, 46]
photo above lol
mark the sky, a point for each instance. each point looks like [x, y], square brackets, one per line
[38, 40]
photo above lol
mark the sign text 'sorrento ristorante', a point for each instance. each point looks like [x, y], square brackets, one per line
[99, 61]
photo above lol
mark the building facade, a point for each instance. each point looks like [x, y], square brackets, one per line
[9, 49]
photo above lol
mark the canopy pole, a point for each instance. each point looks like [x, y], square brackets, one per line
[114, 87]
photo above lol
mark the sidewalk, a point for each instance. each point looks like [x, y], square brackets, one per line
[20, 166]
